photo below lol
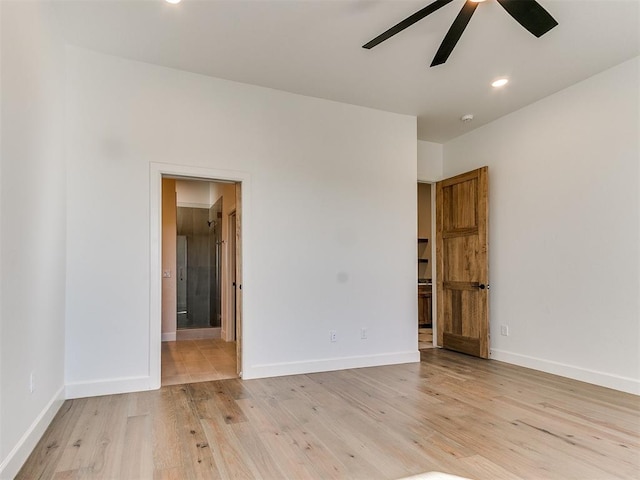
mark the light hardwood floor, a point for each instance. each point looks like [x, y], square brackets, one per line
[451, 413]
[189, 361]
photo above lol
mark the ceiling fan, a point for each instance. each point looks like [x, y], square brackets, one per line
[527, 13]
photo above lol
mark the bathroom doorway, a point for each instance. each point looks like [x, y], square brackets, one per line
[198, 257]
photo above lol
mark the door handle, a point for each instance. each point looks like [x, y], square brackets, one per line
[482, 286]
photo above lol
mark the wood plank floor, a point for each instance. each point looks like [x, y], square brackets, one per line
[425, 338]
[190, 361]
[450, 413]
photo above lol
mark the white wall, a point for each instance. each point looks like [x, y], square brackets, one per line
[430, 158]
[193, 193]
[169, 292]
[324, 178]
[564, 228]
[32, 226]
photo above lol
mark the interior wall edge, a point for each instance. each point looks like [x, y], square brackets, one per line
[33, 222]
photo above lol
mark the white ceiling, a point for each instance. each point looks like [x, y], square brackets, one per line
[313, 47]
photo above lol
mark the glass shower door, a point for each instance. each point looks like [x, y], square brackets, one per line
[181, 265]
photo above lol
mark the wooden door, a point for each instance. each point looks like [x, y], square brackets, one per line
[239, 278]
[233, 286]
[462, 262]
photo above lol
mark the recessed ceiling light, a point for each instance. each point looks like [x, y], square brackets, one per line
[501, 82]
[172, 1]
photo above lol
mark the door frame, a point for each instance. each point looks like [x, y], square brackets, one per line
[434, 279]
[156, 172]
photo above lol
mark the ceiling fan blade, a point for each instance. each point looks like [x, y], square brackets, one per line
[454, 33]
[407, 22]
[530, 15]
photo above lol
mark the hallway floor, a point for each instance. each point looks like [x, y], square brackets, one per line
[189, 361]
[425, 338]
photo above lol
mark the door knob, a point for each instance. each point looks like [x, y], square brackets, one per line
[482, 286]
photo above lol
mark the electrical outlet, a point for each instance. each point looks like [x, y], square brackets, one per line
[32, 382]
[363, 334]
[504, 330]
[333, 335]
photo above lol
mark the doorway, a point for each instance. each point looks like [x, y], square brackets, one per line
[198, 265]
[462, 253]
[425, 242]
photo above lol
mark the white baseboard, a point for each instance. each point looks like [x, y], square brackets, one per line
[169, 337]
[198, 333]
[331, 364]
[12, 464]
[616, 382]
[108, 387]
